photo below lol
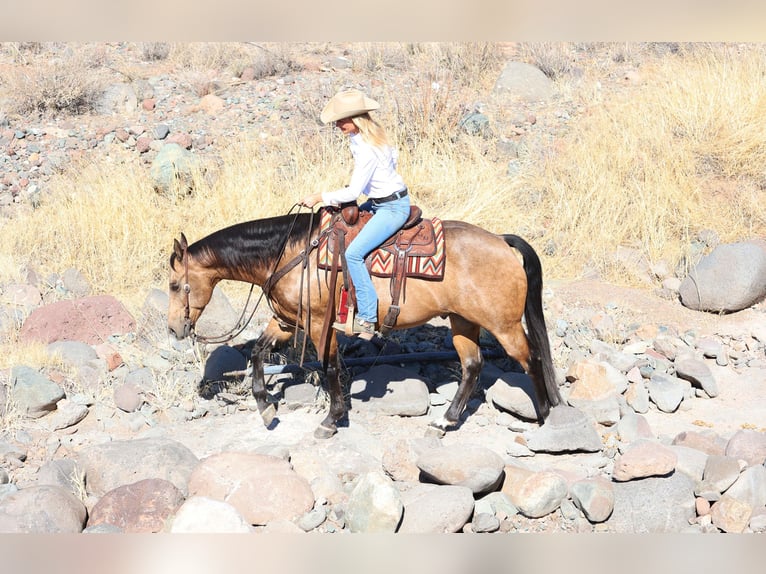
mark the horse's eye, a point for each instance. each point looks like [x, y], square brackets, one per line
[174, 287]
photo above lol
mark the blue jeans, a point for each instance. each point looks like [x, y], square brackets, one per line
[386, 220]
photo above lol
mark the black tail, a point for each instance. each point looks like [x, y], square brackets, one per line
[540, 361]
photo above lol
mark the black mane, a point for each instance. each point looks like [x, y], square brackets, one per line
[255, 243]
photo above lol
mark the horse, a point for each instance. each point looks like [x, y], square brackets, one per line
[484, 285]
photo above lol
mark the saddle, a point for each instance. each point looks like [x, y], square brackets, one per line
[408, 252]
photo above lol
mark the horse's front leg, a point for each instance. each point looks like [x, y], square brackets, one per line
[328, 426]
[272, 334]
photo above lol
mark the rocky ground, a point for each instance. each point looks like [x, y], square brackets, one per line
[664, 429]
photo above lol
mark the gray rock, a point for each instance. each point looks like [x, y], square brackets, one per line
[496, 503]
[374, 505]
[698, 373]
[666, 392]
[632, 427]
[34, 393]
[524, 81]
[594, 497]
[400, 458]
[434, 509]
[67, 414]
[750, 487]
[690, 461]
[720, 473]
[75, 353]
[113, 464]
[173, 166]
[566, 430]
[637, 397]
[64, 473]
[513, 393]
[653, 505]
[42, 510]
[731, 278]
[390, 390]
[473, 466]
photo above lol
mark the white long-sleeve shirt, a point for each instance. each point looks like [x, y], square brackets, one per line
[374, 173]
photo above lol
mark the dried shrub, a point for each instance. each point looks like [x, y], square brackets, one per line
[554, 59]
[155, 51]
[65, 86]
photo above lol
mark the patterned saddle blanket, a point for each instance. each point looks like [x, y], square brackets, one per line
[423, 242]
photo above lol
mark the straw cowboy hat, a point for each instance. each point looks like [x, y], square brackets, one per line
[347, 104]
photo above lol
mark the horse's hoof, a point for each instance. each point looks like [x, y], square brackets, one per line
[268, 414]
[324, 431]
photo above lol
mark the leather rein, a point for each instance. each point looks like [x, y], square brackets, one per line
[268, 285]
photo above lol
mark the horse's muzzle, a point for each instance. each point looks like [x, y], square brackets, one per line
[183, 332]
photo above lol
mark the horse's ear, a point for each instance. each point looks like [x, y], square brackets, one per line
[180, 248]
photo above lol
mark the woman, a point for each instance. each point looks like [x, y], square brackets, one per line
[375, 176]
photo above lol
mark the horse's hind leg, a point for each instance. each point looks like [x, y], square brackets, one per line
[514, 341]
[272, 334]
[465, 336]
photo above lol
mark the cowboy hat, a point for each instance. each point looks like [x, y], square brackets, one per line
[347, 104]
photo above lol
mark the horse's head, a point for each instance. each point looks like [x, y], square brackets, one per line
[189, 290]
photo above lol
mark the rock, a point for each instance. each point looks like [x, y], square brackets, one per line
[67, 414]
[535, 494]
[731, 278]
[75, 353]
[698, 373]
[567, 429]
[390, 390]
[35, 394]
[708, 442]
[202, 515]
[141, 507]
[666, 392]
[261, 487]
[375, 505]
[42, 509]
[110, 465]
[475, 467]
[525, 82]
[399, 459]
[633, 427]
[652, 505]
[750, 487]
[64, 473]
[513, 393]
[720, 473]
[173, 166]
[433, 509]
[128, 397]
[594, 497]
[89, 320]
[642, 459]
[730, 514]
[496, 503]
[690, 461]
[749, 445]
[637, 397]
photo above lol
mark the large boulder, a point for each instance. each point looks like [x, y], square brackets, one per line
[731, 278]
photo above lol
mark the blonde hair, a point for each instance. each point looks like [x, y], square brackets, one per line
[371, 131]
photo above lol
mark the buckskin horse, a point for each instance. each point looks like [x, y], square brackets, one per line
[483, 285]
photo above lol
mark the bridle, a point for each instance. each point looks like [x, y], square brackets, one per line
[268, 285]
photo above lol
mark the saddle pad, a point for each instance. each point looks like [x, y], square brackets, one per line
[380, 262]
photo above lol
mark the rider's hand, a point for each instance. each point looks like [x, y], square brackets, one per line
[311, 200]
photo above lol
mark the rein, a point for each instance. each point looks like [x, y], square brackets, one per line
[268, 285]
